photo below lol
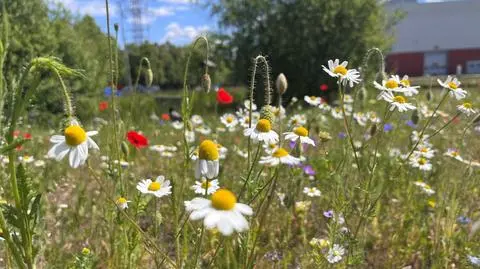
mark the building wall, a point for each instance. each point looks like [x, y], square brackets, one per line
[410, 63]
[461, 57]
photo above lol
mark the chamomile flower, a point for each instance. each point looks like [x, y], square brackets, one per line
[391, 85]
[425, 187]
[425, 151]
[270, 147]
[221, 211]
[122, 203]
[337, 113]
[197, 120]
[408, 89]
[466, 108]
[178, 125]
[203, 129]
[453, 85]
[347, 99]
[325, 107]
[340, 71]
[360, 118]
[420, 163]
[454, 153]
[396, 102]
[210, 186]
[160, 187]
[247, 105]
[25, 159]
[312, 192]
[299, 133]
[297, 120]
[75, 142]
[207, 164]
[229, 120]
[313, 100]
[279, 156]
[279, 113]
[335, 253]
[262, 132]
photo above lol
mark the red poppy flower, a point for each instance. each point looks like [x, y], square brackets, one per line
[27, 136]
[223, 97]
[137, 139]
[103, 105]
[165, 117]
[16, 133]
[324, 87]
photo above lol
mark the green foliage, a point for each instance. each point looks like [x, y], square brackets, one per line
[302, 35]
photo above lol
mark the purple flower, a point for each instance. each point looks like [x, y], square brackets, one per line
[463, 220]
[387, 127]
[308, 170]
[328, 214]
[342, 135]
[292, 144]
[411, 124]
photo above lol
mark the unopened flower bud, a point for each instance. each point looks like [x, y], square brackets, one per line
[281, 84]
[125, 149]
[149, 77]
[206, 83]
[115, 26]
[373, 130]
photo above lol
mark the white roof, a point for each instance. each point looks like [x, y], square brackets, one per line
[436, 26]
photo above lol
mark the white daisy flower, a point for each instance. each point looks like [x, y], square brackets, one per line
[247, 105]
[245, 119]
[279, 156]
[325, 107]
[160, 187]
[190, 135]
[425, 187]
[26, 159]
[453, 84]
[392, 84]
[75, 142]
[360, 118]
[335, 253]
[425, 151]
[178, 125]
[408, 89]
[262, 132]
[299, 133]
[122, 203]
[347, 99]
[197, 120]
[207, 164]
[312, 192]
[204, 130]
[279, 113]
[420, 163]
[396, 102]
[454, 153]
[372, 117]
[297, 120]
[229, 120]
[39, 163]
[200, 186]
[466, 108]
[313, 100]
[270, 147]
[222, 151]
[337, 113]
[337, 70]
[221, 211]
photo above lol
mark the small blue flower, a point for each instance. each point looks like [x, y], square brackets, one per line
[387, 127]
[411, 124]
[292, 144]
[474, 260]
[342, 135]
[328, 214]
[463, 220]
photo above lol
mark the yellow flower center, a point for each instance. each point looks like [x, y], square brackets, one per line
[400, 99]
[467, 105]
[405, 82]
[391, 84]
[452, 85]
[272, 146]
[247, 120]
[313, 98]
[121, 201]
[340, 70]
[154, 186]
[454, 153]
[75, 135]
[206, 185]
[279, 153]
[229, 119]
[424, 150]
[264, 126]
[223, 200]
[422, 161]
[208, 150]
[300, 131]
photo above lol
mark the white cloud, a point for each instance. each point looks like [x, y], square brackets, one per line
[90, 7]
[162, 11]
[177, 1]
[179, 34]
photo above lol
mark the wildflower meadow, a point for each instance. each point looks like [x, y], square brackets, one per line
[383, 174]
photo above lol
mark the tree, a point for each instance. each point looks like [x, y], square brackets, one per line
[299, 36]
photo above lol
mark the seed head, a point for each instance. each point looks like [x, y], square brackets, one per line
[206, 82]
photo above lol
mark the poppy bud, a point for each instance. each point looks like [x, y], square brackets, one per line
[281, 84]
[415, 117]
[429, 95]
[149, 77]
[115, 26]
[373, 129]
[206, 82]
[125, 149]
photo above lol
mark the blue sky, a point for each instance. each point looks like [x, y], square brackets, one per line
[178, 21]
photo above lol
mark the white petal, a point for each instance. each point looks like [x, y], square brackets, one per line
[244, 209]
[212, 219]
[57, 138]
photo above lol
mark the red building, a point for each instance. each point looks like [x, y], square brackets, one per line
[436, 38]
